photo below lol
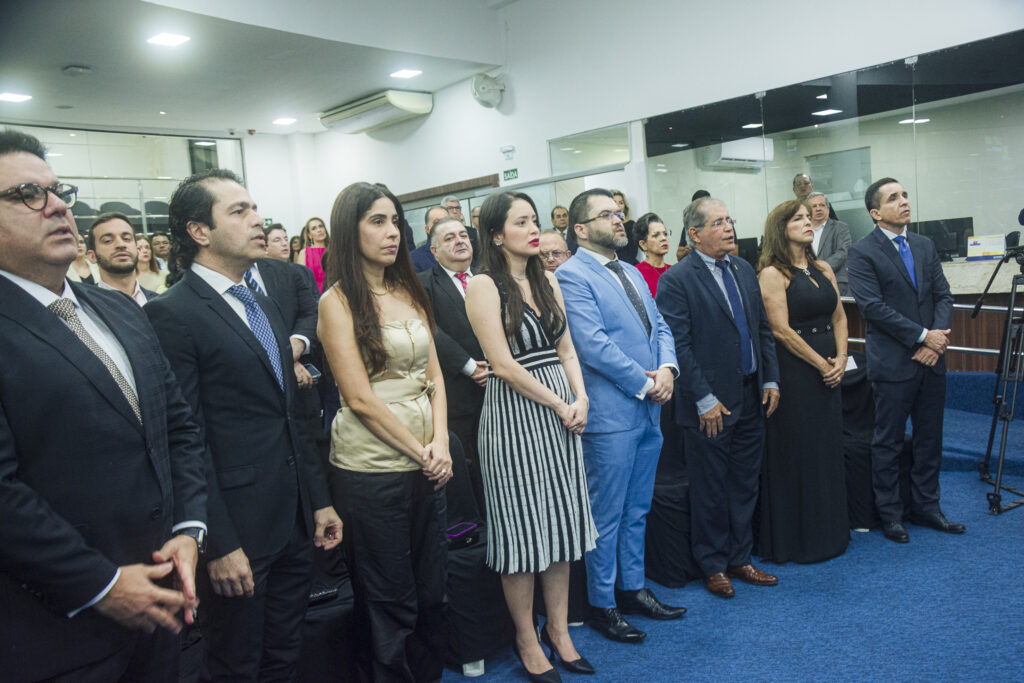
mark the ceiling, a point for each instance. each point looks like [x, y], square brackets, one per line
[232, 76]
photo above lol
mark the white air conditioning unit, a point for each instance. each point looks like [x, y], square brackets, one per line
[377, 111]
[746, 153]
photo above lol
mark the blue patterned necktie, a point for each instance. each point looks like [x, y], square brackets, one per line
[250, 279]
[261, 328]
[739, 316]
[908, 258]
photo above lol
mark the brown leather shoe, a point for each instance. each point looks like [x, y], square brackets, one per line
[720, 585]
[752, 575]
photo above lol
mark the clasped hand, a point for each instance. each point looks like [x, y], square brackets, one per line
[664, 382]
[833, 372]
[574, 415]
[437, 463]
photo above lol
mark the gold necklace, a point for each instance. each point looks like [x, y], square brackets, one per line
[386, 290]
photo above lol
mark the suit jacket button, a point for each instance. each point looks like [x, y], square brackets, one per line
[291, 460]
[155, 513]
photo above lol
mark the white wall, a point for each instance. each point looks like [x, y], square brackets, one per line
[671, 55]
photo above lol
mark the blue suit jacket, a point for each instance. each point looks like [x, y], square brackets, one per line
[611, 342]
[84, 487]
[894, 312]
[707, 339]
[422, 258]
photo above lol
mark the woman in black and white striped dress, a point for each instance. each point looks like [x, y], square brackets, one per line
[535, 407]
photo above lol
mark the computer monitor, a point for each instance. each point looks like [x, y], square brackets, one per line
[949, 234]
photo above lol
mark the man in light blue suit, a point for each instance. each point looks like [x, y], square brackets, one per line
[628, 360]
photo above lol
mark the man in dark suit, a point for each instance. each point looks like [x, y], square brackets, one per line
[831, 240]
[897, 279]
[111, 243]
[728, 385]
[268, 499]
[102, 491]
[458, 351]
[422, 257]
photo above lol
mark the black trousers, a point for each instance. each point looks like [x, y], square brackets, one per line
[259, 638]
[397, 550]
[724, 473]
[150, 657]
[466, 427]
[922, 399]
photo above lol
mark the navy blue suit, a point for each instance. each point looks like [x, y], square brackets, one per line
[895, 314]
[723, 470]
[422, 258]
[84, 487]
[622, 440]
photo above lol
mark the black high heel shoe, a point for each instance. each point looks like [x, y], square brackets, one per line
[549, 676]
[578, 666]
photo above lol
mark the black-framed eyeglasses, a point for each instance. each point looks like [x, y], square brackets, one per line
[35, 196]
[556, 253]
[607, 215]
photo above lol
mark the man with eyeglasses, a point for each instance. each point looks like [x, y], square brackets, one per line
[628, 362]
[553, 251]
[728, 385]
[102, 487]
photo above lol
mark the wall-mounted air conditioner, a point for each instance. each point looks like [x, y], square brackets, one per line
[377, 111]
[746, 153]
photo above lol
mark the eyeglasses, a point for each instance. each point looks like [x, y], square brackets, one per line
[557, 253]
[722, 221]
[35, 196]
[457, 207]
[607, 215]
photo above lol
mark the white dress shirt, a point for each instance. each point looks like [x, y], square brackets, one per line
[138, 295]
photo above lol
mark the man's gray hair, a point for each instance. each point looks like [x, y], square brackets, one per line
[694, 216]
[451, 198]
[818, 194]
[434, 231]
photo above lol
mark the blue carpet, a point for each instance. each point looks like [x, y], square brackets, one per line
[939, 608]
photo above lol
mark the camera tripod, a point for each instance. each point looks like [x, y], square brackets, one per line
[1009, 373]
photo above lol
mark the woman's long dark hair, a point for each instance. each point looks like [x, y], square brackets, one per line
[493, 262]
[344, 267]
[775, 246]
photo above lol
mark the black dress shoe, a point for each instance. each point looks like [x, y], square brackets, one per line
[549, 676]
[577, 666]
[895, 531]
[610, 624]
[936, 520]
[644, 603]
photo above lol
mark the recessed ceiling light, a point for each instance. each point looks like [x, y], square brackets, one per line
[621, 150]
[578, 151]
[753, 125]
[13, 97]
[406, 73]
[71, 135]
[826, 112]
[168, 39]
[205, 143]
[915, 120]
[681, 144]
[284, 121]
[54, 154]
[661, 170]
[566, 149]
[163, 177]
[823, 96]
[163, 113]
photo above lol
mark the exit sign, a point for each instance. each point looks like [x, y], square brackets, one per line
[267, 222]
[511, 174]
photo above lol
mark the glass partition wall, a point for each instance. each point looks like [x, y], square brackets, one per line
[949, 125]
[130, 173]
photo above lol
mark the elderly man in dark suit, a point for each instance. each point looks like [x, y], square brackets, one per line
[897, 279]
[727, 386]
[462, 359]
[831, 239]
[102, 491]
[268, 499]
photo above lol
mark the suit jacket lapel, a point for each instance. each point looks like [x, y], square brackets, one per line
[826, 237]
[448, 287]
[269, 278]
[705, 277]
[893, 254]
[28, 313]
[217, 304]
[613, 280]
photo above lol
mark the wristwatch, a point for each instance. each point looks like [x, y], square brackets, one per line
[197, 533]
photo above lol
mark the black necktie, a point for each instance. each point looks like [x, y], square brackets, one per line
[631, 292]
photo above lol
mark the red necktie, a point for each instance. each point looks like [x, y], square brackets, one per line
[462, 278]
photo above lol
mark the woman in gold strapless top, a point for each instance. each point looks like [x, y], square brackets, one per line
[389, 440]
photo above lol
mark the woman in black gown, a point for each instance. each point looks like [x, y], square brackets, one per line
[803, 516]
